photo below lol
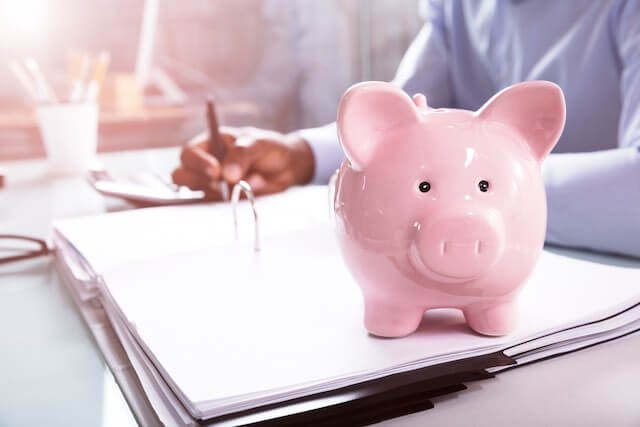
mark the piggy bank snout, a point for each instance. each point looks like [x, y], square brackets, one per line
[460, 247]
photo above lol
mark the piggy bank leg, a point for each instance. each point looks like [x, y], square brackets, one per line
[492, 319]
[386, 320]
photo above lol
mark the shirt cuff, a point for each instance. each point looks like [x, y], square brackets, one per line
[593, 200]
[326, 150]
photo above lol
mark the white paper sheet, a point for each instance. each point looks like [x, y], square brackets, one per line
[292, 315]
[228, 328]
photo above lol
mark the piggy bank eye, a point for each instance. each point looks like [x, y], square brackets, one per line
[424, 186]
[483, 186]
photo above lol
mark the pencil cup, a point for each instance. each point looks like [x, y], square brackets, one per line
[70, 135]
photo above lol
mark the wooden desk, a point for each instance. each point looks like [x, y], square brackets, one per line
[150, 128]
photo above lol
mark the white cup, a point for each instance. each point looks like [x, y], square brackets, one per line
[70, 136]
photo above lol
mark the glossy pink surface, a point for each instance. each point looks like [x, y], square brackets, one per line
[454, 245]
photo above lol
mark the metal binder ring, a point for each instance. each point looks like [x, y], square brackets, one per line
[244, 187]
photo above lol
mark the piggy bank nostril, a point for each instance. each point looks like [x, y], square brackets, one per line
[459, 247]
[476, 246]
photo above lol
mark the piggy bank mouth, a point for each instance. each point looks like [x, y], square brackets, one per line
[423, 269]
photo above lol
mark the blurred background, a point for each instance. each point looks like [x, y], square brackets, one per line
[280, 64]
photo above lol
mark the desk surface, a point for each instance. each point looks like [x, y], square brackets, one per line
[52, 373]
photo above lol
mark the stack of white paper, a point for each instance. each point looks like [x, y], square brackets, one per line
[214, 328]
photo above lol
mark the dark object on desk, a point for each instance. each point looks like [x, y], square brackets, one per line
[374, 400]
[2, 175]
[216, 146]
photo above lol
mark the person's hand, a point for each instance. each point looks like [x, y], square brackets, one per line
[269, 161]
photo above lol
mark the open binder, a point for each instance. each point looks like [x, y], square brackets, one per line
[201, 328]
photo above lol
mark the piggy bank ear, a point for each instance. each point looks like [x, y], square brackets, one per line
[536, 109]
[366, 112]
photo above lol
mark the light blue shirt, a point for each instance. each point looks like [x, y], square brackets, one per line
[471, 49]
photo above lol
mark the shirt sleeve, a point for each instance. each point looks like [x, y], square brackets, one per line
[326, 151]
[424, 68]
[594, 198]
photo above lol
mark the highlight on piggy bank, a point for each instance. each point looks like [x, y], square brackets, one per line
[443, 208]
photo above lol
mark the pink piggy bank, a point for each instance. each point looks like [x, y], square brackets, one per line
[440, 208]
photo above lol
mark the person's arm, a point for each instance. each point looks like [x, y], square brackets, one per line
[594, 198]
[424, 68]
[269, 161]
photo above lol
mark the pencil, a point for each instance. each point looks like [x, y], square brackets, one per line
[79, 70]
[216, 146]
[99, 71]
[24, 79]
[45, 93]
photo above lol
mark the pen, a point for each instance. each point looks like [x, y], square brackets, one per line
[79, 70]
[45, 93]
[24, 79]
[216, 146]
